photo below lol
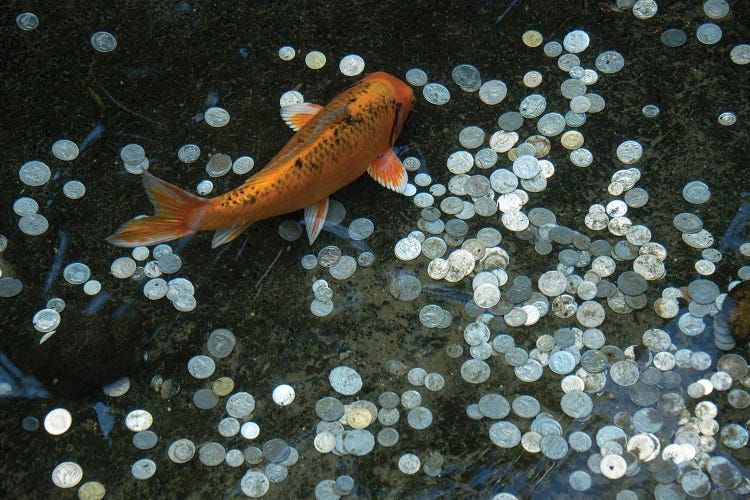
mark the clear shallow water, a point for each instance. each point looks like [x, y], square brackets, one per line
[169, 66]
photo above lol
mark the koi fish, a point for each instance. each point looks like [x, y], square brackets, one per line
[332, 147]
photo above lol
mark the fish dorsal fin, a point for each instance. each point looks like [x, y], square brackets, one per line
[296, 115]
[315, 217]
[222, 236]
[388, 170]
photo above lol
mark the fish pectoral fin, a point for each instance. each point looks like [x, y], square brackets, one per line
[315, 218]
[222, 236]
[388, 170]
[296, 115]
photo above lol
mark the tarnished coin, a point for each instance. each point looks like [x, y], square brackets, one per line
[92, 490]
[181, 451]
[222, 386]
[143, 468]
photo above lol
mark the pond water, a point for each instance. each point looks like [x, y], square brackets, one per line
[555, 306]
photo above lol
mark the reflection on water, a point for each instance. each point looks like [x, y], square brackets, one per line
[547, 312]
[735, 235]
[14, 384]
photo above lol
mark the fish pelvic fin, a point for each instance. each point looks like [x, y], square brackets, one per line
[388, 170]
[178, 214]
[296, 115]
[222, 236]
[315, 218]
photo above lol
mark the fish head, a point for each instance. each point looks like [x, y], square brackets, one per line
[404, 94]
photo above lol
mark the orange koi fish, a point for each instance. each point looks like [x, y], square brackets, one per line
[333, 146]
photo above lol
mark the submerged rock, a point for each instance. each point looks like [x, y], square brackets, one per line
[93, 346]
[737, 308]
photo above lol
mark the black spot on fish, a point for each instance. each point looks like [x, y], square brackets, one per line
[354, 120]
[392, 137]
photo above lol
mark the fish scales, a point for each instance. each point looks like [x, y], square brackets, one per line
[334, 145]
[357, 141]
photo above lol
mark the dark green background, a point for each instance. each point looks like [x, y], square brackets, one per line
[167, 62]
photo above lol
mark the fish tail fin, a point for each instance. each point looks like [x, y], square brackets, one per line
[178, 214]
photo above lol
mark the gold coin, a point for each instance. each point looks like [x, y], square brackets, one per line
[91, 490]
[315, 59]
[532, 38]
[222, 386]
[572, 139]
[359, 418]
